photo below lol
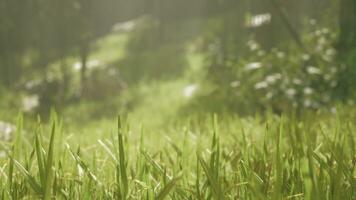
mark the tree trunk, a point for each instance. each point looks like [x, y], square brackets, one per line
[65, 80]
[347, 23]
[83, 70]
[347, 47]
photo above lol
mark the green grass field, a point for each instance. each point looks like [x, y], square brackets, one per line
[164, 147]
[212, 157]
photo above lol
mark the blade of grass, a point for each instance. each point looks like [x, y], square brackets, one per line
[107, 149]
[214, 183]
[122, 160]
[40, 162]
[30, 179]
[167, 189]
[277, 194]
[49, 165]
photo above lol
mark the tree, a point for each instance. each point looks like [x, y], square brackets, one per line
[85, 36]
[347, 47]
[14, 16]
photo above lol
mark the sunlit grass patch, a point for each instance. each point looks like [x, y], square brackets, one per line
[226, 158]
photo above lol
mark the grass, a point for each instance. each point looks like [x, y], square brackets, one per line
[153, 154]
[214, 158]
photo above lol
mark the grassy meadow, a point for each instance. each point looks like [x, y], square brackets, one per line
[261, 157]
[178, 100]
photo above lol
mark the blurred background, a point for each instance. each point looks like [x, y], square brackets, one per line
[163, 59]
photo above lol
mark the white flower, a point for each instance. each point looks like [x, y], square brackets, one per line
[330, 52]
[30, 102]
[32, 84]
[273, 78]
[291, 92]
[297, 81]
[313, 70]
[253, 66]
[321, 41]
[77, 66]
[91, 64]
[312, 22]
[270, 79]
[261, 85]
[252, 45]
[6, 129]
[259, 20]
[307, 103]
[318, 33]
[327, 77]
[308, 91]
[325, 30]
[280, 54]
[269, 95]
[235, 84]
[190, 90]
[278, 76]
[305, 57]
[333, 70]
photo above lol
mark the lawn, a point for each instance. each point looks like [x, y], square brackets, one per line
[213, 157]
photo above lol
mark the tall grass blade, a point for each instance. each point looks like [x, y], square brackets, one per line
[49, 165]
[30, 179]
[40, 161]
[213, 181]
[278, 162]
[167, 189]
[122, 160]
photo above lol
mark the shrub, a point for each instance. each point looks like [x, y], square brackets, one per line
[282, 78]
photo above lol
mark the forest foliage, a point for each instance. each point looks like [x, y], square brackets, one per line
[262, 53]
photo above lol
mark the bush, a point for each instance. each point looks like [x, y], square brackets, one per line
[284, 78]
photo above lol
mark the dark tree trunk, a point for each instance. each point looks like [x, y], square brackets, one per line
[65, 80]
[347, 47]
[347, 23]
[83, 70]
